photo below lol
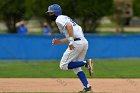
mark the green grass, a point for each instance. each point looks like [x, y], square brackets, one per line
[104, 68]
[112, 24]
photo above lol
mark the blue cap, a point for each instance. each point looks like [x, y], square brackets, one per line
[55, 8]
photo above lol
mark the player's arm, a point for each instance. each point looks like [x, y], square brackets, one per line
[65, 40]
[70, 30]
[57, 41]
[71, 35]
[70, 39]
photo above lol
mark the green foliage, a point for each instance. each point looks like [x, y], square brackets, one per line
[15, 10]
[11, 12]
[99, 7]
[92, 10]
[12, 7]
[136, 7]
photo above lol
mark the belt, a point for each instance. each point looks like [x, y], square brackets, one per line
[77, 39]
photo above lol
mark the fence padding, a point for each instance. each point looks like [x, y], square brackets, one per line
[39, 47]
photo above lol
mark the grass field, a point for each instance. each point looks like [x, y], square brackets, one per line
[104, 68]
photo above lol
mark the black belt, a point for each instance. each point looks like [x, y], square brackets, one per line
[77, 39]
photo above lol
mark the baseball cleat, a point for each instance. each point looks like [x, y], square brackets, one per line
[86, 90]
[89, 66]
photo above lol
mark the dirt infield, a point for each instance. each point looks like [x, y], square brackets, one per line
[68, 85]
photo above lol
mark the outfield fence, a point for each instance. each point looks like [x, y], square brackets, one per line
[39, 47]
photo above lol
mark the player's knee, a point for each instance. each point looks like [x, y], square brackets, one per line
[63, 67]
[76, 70]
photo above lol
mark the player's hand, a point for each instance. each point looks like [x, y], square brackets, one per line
[55, 41]
[71, 47]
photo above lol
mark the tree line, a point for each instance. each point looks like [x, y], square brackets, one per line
[87, 11]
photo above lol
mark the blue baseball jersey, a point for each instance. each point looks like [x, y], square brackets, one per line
[22, 30]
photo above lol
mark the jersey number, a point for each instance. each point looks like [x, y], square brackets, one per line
[74, 24]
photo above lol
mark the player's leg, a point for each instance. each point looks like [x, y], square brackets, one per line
[83, 44]
[81, 75]
[76, 64]
[89, 66]
[79, 72]
[67, 61]
[80, 58]
[74, 59]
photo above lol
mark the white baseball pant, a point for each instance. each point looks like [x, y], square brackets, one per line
[78, 54]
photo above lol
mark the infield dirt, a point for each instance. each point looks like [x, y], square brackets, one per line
[68, 85]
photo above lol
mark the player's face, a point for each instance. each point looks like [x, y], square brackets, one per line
[52, 16]
[51, 13]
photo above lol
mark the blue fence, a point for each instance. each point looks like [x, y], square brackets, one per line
[38, 47]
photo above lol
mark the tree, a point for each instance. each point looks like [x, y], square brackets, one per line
[92, 10]
[136, 7]
[11, 12]
[38, 8]
[88, 11]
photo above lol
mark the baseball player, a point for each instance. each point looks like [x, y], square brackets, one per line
[73, 57]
